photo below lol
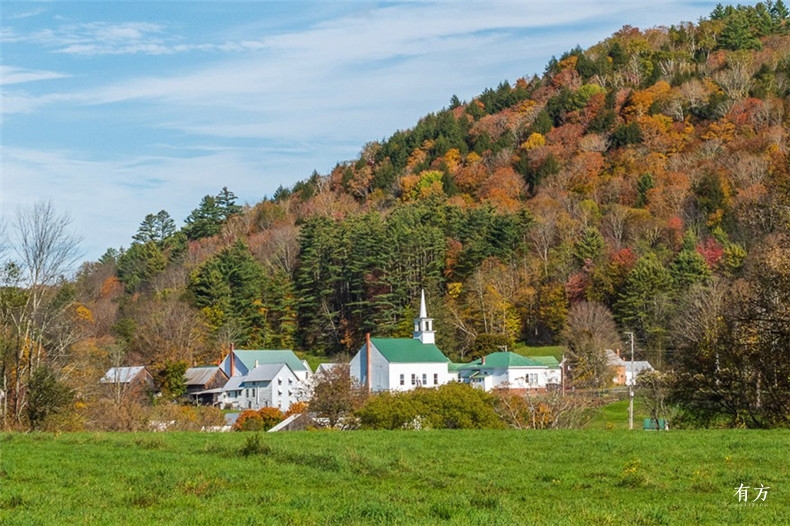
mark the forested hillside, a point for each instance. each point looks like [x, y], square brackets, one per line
[643, 180]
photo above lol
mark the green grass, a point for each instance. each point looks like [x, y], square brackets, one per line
[379, 477]
[615, 416]
[549, 350]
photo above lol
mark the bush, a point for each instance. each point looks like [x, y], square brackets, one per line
[260, 420]
[451, 406]
[254, 446]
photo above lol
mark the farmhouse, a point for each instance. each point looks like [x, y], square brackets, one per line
[262, 378]
[402, 364]
[508, 370]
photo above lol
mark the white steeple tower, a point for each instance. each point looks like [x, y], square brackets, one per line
[423, 326]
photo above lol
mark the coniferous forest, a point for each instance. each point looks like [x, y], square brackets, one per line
[641, 185]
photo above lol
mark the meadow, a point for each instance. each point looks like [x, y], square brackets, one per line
[409, 477]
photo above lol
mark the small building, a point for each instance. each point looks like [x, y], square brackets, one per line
[508, 370]
[402, 364]
[327, 368]
[128, 376]
[625, 371]
[204, 384]
[128, 382]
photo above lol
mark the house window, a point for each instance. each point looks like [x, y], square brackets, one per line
[279, 381]
[532, 379]
[435, 378]
[402, 380]
[413, 379]
[424, 379]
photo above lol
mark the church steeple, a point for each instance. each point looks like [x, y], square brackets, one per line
[423, 326]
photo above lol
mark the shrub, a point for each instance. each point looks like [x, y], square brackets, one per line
[254, 446]
[451, 406]
[260, 420]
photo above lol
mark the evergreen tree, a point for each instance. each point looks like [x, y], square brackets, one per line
[229, 289]
[140, 263]
[738, 33]
[644, 303]
[688, 268]
[590, 246]
[207, 219]
[156, 228]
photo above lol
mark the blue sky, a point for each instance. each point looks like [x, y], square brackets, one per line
[114, 110]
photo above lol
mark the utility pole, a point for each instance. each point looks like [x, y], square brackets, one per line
[631, 386]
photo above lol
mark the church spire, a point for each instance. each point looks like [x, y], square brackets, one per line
[423, 326]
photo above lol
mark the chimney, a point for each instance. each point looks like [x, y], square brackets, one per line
[367, 362]
[482, 360]
[256, 363]
[232, 364]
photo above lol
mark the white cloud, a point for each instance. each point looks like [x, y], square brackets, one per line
[14, 75]
[108, 199]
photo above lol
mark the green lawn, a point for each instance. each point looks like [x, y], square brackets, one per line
[615, 416]
[549, 350]
[379, 477]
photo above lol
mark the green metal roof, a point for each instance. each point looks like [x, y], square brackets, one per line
[408, 350]
[504, 360]
[249, 357]
[548, 361]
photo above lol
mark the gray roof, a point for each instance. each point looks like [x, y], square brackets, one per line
[200, 375]
[328, 367]
[121, 375]
[638, 367]
[233, 383]
[613, 360]
[264, 373]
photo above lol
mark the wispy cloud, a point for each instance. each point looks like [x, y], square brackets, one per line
[109, 198]
[25, 14]
[14, 75]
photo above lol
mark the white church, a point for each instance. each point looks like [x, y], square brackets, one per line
[403, 364]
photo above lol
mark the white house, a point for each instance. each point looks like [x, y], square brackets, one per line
[402, 364]
[260, 378]
[508, 370]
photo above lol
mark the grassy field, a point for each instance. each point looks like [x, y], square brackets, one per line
[615, 416]
[428, 477]
[549, 350]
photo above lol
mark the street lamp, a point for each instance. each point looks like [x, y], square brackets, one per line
[631, 386]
